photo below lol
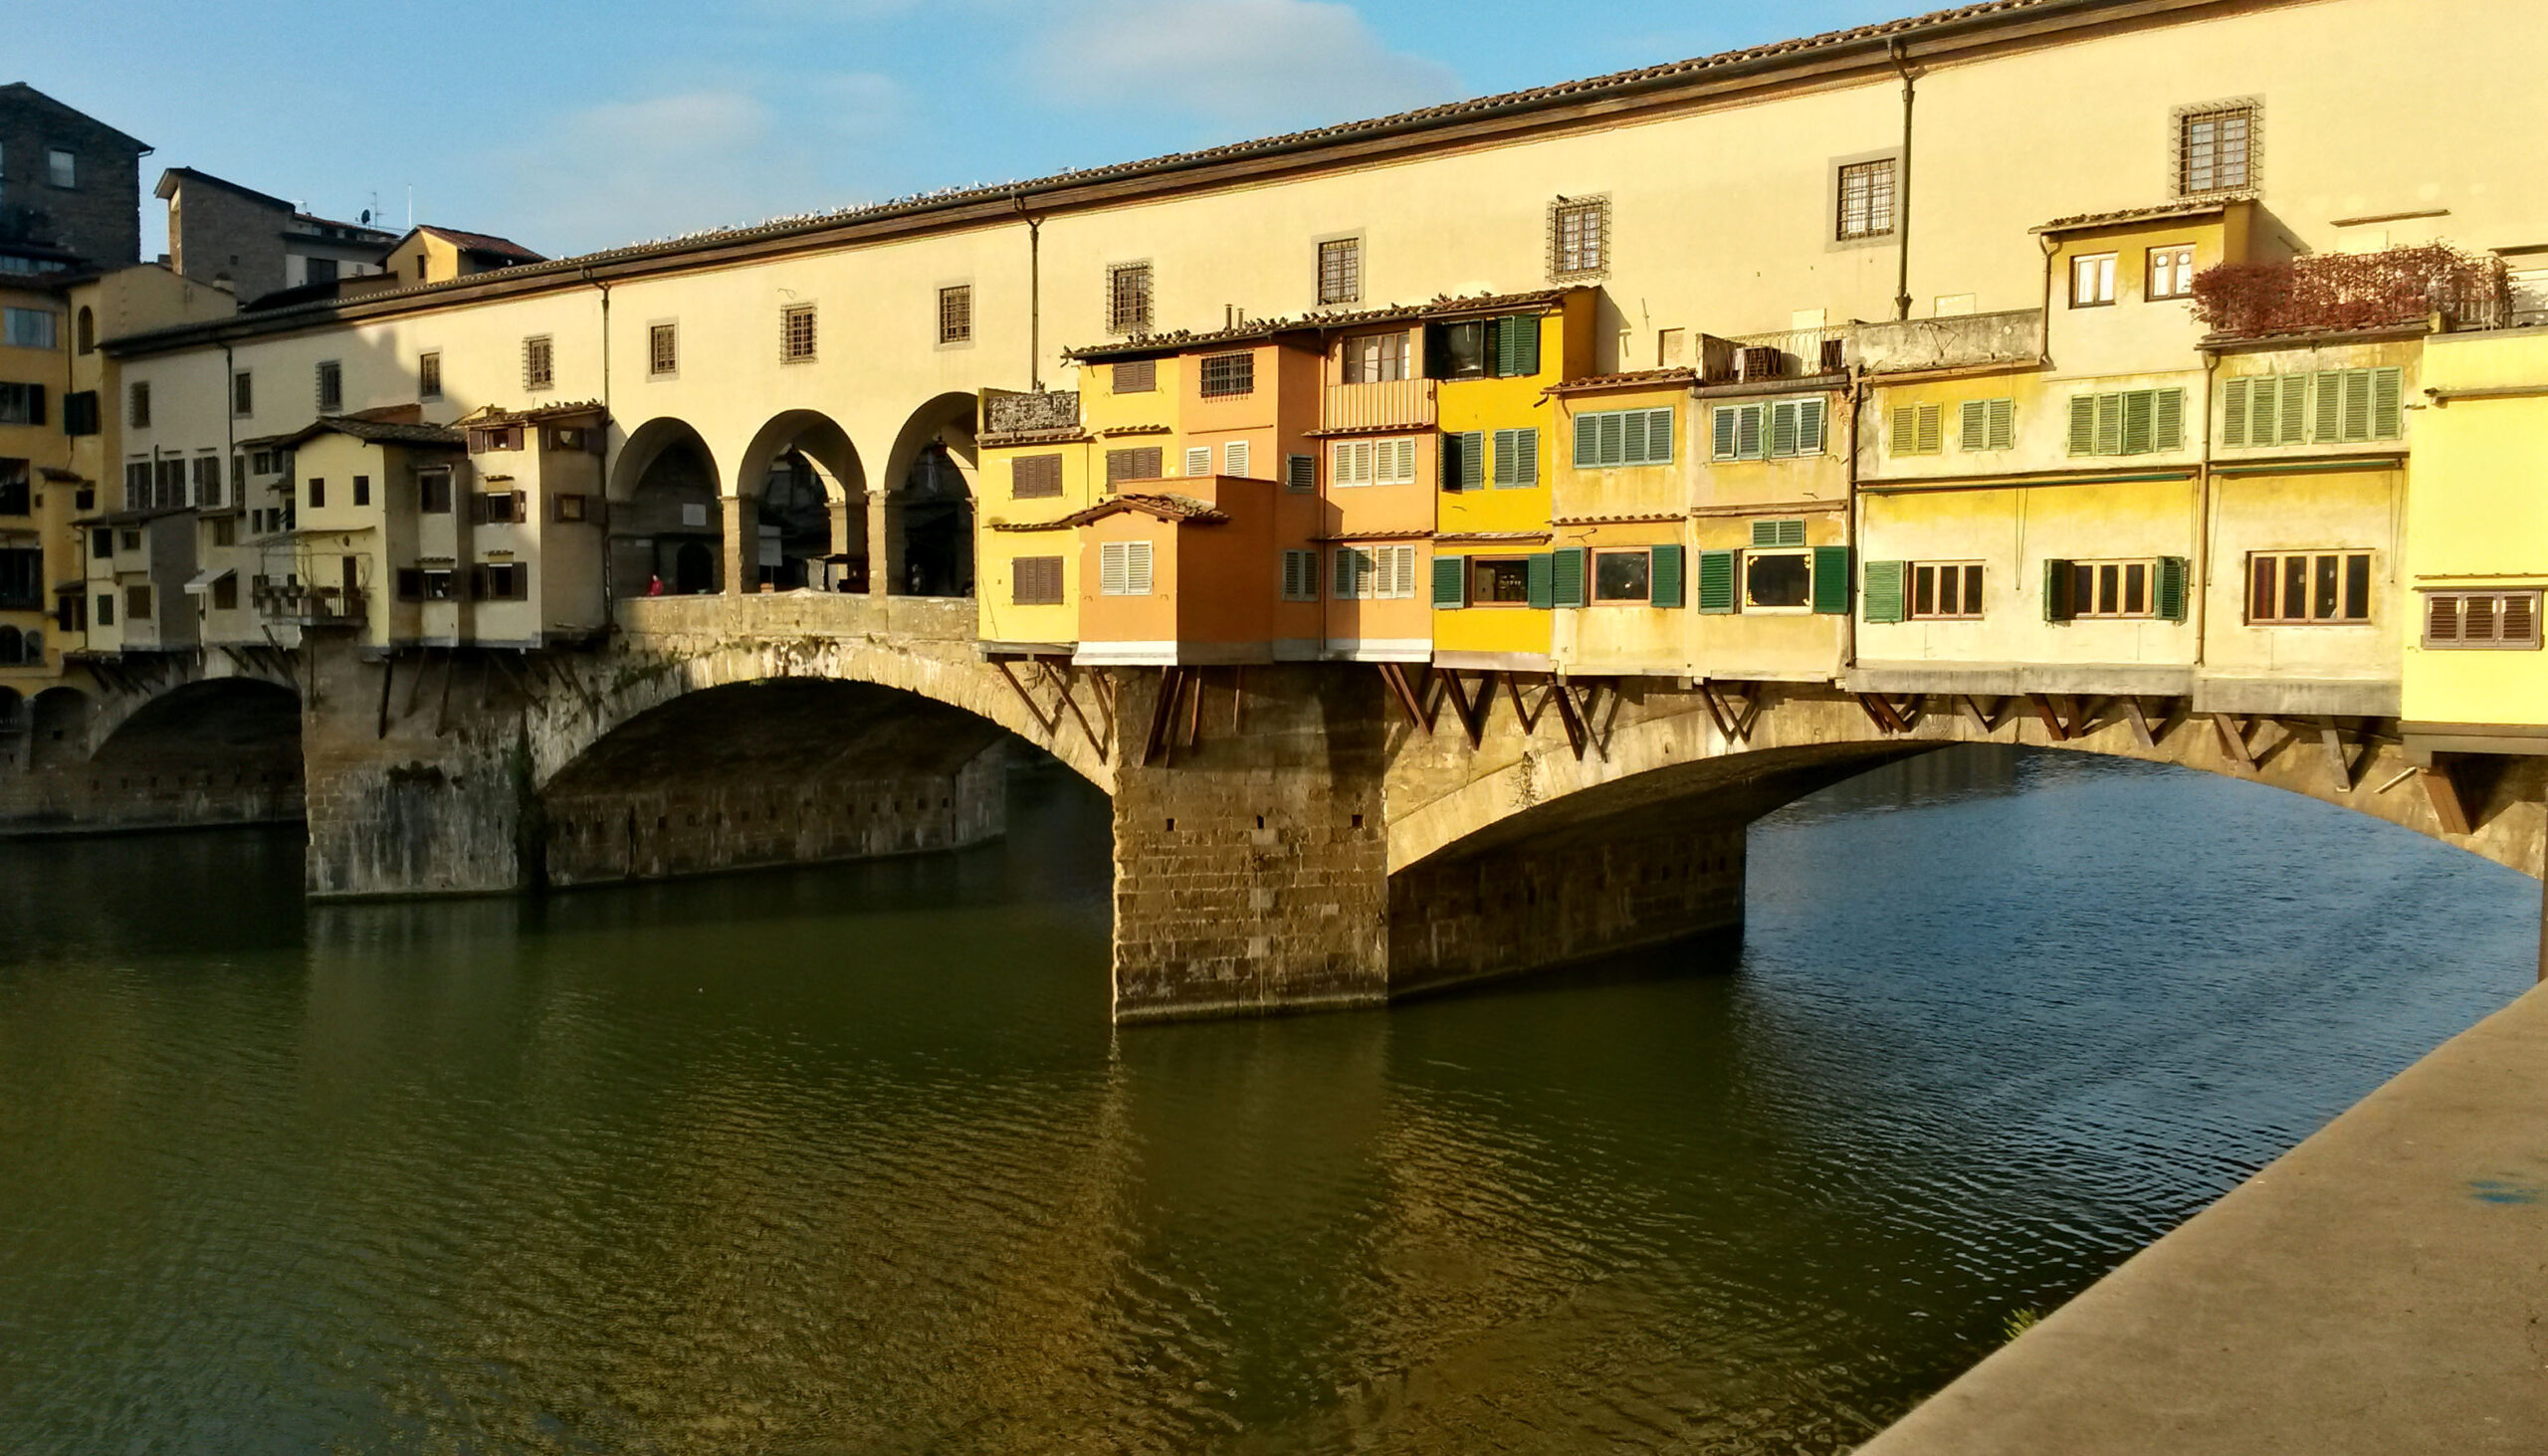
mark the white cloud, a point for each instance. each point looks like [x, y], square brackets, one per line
[623, 171]
[1243, 63]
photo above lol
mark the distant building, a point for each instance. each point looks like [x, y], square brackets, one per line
[254, 244]
[438, 255]
[70, 187]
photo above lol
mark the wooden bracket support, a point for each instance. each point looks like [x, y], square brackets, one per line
[1734, 717]
[2044, 709]
[1395, 676]
[2339, 755]
[2449, 806]
[1984, 718]
[2234, 741]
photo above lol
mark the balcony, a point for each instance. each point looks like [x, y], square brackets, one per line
[2432, 285]
[313, 606]
[1794, 353]
[1029, 412]
[1961, 341]
[1387, 404]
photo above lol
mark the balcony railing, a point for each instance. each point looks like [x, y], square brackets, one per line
[1794, 353]
[313, 606]
[1382, 405]
[1958, 341]
[1022, 412]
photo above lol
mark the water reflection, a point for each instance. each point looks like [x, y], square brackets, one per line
[847, 1159]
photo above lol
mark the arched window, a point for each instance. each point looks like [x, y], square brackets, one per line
[88, 330]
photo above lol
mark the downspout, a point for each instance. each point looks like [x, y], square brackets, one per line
[1034, 294]
[1854, 524]
[2200, 608]
[1902, 193]
[609, 598]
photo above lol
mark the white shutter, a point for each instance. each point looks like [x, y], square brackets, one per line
[1399, 455]
[1198, 460]
[1137, 569]
[1406, 562]
[1235, 459]
[1341, 576]
[1110, 569]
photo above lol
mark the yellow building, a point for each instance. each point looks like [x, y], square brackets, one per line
[1620, 519]
[34, 485]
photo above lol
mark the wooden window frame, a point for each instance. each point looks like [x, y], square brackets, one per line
[797, 336]
[1128, 552]
[538, 363]
[1390, 358]
[329, 383]
[1973, 577]
[1876, 178]
[1469, 567]
[2108, 279]
[1130, 461]
[1592, 577]
[2268, 581]
[243, 393]
[1134, 376]
[1035, 476]
[2459, 597]
[2178, 274]
[1299, 579]
[1026, 572]
[2084, 610]
[662, 349]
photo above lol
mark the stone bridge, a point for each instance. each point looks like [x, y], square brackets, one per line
[154, 740]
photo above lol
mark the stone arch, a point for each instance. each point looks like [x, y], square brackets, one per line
[57, 723]
[930, 499]
[221, 747]
[821, 525]
[668, 522]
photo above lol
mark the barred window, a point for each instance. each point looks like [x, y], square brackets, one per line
[1228, 375]
[1866, 200]
[1339, 271]
[538, 363]
[797, 334]
[428, 376]
[955, 313]
[2214, 149]
[1127, 297]
[1578, 238]
[331, 387]
[663, 348]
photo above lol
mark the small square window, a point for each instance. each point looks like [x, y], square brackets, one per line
[1866, 208]
[955, 313]
[2092, 280]
[62, 171]
[1339, 271]
[797, 334]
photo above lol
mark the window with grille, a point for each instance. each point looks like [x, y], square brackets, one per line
[1146, 464]
[662, 349]
[955, 313]
[2172, 272]
[2092, 280]
[1622, 436]
[1300, 577]
[797, 334]
[429, 377]
[1374, 359]
[1124, 568]
[243, 394]
[1578, 238]
[1866, 206]
[331, 387]
[1339, 271]
[1769, 429]
[2127, 422]
[1127, 297]
[2305, 587]
[1137, 376]
[2455, 619]
[1036, 581]
[538, 363]
[2329, 406]
[1372, 463]
[1031, 477]
[1228, 375]
[2215, 149]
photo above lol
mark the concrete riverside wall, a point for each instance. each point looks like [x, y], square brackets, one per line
[1251, 864]
[1549, 903]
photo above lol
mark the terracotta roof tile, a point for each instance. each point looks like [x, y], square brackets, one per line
[1623, 381]
[2158, 212]
[1185, 509]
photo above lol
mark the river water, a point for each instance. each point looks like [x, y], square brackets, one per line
[848, 1159]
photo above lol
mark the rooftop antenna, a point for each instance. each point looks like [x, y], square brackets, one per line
[411, 205]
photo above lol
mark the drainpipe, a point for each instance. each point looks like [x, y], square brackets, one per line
[1034, 294]
[2199, 610]
[1855, 522]
[609, 599]
[1902, 194]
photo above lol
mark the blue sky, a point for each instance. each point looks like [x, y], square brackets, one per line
[579, 125]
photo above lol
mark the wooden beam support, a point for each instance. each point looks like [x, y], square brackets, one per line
[2140, 723]
[2084, 720]
[1987, 720]
[1171, 682]
[1395, 677]
[2444, 790]
[2234, 741]
[1577, 716]
[2339, 757]
[388, 669]
[1061, 681]
[1033, 709]
[1880, 713]
[2052, 719]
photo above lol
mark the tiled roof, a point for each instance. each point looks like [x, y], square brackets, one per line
[1185, 509]
[493, 415]
[1623, 381]
[1264, 329]
[487, 242]
[2160, 212]
[376, 431]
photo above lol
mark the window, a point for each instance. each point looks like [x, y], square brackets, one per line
[1917, 429]
[1778, 579]
[1127, 297]
[797, 334]
[429, 376]
[1460, 351]
[1124, 568]
[1228, 375]
[16, 496]
[1769, 429]
[1463, 459]
[136, 603]
[2092, 280]
[1374, 359]
[2305, 587]
[501, 582]
[496, 508]
[1987, 424]
[207, 480]
[1578, 238]
[538, 363]
[2132, 422]
[495, 437]
[1368, 573]
[317, 492]
[1034, 476]
[80, 412]
[1198, 460]
[570, 507]
[955, 313]
[1500, 581]
[662, 349]
[1623, 576]
[2171, 272]
[433, 492]
[2214, 149]
[85, 331]
[2455, 619]
[21, 404]
[331, 387]
[1300, 577]
[1339, 271]
[1623, 437]
[1372, 463]
[1939, 590]
[62, 169]
[1137, 376]
[363, 490]
[2143, 588]
[1147, 464]
[1300, 473]
[1235, 459]
[243, 394]
[1035, 581]
[106, 609]
[1485, 348]
[2330, 406]
[1517, 457]
[1866, 201]
[225, 530]
[29, 329]
[21, 586]
[319, 270]
[262, 461]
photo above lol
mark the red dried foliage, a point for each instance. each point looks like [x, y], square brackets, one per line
[2332, 292]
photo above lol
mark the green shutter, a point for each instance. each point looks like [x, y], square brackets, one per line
[1810, 416]
[2328, 422]
[1499, 346]
[1566, 576]
[1831, 580]
[2171, 588]
[2294, 410]
[2110, 430]
[1448, 582]
[1526, 456]
[1633, 437]
[1884, 590]
[1747, 432]
[1588, 442]
[2168, 413]
[2057, 591]
[1504, 457]
[2004, 424]
[1517, 346]
[2083, 424]
[1450, 461]
[1716, 581]
[1725, 436]
[2140, 421]
[1612, 449]
[1783, 428]
[1906, 430]
[1663, 578]
[1472, 460]
[2387, 420]
[1542, 581]
[2233, 412]
[1973, 433]
[1764, 534]
[1658, 436]
[2357, 420]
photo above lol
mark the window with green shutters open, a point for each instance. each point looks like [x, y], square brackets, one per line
[2149, 587]
[2127, 422]
[1300, 577]
[1623, 437]
[1778, 574]
[1463, 459]
[1923, 591]
[2325, 406]
[1517, 457]
[2481, 619]
[1647, 576]
[1769, 429]
[1483, 348]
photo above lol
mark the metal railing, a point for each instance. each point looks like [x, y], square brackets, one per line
[1791, 353]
